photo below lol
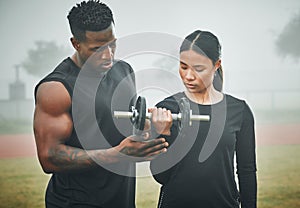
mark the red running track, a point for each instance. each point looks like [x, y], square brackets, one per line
[23, 145]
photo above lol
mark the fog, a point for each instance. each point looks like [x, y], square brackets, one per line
[254, 35]
[260, 51]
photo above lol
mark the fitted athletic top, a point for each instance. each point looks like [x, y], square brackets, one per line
[94, 96]
[202, 174]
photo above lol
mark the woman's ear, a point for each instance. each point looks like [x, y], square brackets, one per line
[217, 64]
[75, 43]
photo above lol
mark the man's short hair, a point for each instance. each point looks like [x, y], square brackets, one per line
[89, 15]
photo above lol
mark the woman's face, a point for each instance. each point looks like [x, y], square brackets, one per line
[196, 71]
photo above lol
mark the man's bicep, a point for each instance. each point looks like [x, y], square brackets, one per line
[52, 121]
[56, 128]
[52, 115]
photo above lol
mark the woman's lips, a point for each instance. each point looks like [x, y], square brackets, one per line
[190, 85]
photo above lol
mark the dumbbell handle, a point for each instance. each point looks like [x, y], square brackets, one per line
[126, 114]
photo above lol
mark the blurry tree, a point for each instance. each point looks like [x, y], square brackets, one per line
[44, 57]
[168, 63]
[288, 43]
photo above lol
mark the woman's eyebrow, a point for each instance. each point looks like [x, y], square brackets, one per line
[198, 65]
[181, 62]
[194, 66]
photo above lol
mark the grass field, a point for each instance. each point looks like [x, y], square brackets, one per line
[279, 176]
[22, 182]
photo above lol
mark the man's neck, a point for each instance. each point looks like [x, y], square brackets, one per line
[75, 58]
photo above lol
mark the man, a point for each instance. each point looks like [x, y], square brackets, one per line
[77, 179]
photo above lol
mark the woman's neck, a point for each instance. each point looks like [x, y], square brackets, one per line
[207, 97]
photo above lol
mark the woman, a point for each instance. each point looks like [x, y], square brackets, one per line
[203, 175]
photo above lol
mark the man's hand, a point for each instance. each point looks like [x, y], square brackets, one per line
[141, 150]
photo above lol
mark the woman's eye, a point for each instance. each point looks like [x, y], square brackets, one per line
[199, 70]
[183, 67]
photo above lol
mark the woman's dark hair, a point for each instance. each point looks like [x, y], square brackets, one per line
[89, 16]
[207, 44]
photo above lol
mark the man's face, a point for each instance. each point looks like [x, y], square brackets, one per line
[98, 49]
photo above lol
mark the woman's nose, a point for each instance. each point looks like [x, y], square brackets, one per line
[189, 75]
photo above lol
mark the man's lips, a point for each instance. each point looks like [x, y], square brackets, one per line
[107, 65]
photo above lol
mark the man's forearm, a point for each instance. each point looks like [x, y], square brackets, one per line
[65, 158]
[62, 157]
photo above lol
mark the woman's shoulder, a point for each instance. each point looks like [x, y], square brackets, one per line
[233, 100]
[171, 102]
[238, 104]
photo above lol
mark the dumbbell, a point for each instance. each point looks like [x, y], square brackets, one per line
[138, 114]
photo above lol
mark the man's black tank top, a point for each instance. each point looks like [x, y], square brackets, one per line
[115, 90]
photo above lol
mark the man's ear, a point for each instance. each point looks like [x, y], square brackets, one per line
[75, 43]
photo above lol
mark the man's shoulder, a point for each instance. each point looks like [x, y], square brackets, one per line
[65, 67]
[122, 64]
[61, 73]
[60, 70]
[120, 70]
[60, 99]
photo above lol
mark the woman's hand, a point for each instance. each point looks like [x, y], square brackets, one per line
[161, 120]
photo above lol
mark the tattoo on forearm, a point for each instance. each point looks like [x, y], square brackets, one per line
[70, 158]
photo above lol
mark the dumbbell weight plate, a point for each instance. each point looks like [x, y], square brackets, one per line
[139, 121]
[185, 109]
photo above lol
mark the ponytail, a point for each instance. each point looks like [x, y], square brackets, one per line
[218, 79]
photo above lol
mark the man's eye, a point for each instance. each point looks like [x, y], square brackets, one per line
[112, 45]
[100, 49]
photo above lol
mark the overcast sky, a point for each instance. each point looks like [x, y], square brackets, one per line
[247, 31]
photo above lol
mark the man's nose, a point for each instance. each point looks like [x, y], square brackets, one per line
[106, 53]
